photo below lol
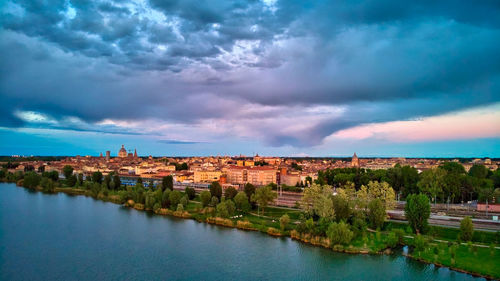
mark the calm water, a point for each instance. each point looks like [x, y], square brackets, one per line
[61, 237]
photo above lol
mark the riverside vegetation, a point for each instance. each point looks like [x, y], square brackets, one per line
[352, 221]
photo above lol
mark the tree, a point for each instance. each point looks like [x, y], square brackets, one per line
[432, 182]
[417, 212]
[184, 200]
[47, 185]
[263, 196]
[376, 213]
[249, 190]
[165, 198]
[31, 180]
[231, 208]
[241, 202]
[466, 229]
[190, 192]
[174, 198]
[216, 190]
[339, 233]
[117, 182]
[222, 210]
[284, 220]
[317, 201]
[67, 171]
[97, 177]
[205, 197]
[341, 207]
[214, 201]
[478, 171]
[230, 192]
[71, 180]
[167, 183]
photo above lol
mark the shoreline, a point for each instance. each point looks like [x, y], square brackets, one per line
[308, 239]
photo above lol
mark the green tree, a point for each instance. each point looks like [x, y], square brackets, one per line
[167, 183]
[97, 177]
[432, 182]
[241, 202]
[263, 196]
[231, 207]
[184, 200]
[341, 207]
[174, 197]
[417, 212]
[47, 185]
[222, 210]
[216, 190]
[214, 201]
[180, 208]
[284, 221]
[478, 171]
[67, 171]
[31, 180]
[190, 192]
[230, 192]
[376, 213]
[317, 201]
[165, 199]
[71, 181]
[117, 182]
[205, 197]
[339, 233]
[466, 229]
[249, 190]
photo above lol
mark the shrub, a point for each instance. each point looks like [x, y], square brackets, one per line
[420, 243]
[214, 201]
[284, 220]
[466, 229]
[392, 240]
[180, 207]
[339, 233]
[400, 234]
[184, 200]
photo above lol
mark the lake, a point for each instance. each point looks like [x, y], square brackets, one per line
[63, 237]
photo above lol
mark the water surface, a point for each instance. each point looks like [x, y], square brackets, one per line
[62, 237]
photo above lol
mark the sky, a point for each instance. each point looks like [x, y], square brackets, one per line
[285, 78]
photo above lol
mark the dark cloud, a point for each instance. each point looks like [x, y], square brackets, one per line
[178, 142]
[188, 61]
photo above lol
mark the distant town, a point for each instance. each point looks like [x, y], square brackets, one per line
[229, 171]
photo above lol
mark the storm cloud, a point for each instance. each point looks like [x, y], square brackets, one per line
[282, 72]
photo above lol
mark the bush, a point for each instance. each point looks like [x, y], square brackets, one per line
[466, 229]
[284, 220]
[420, 243]
[184, 200]
[180, 208]
[339, 233]
[400, 234]
[376, 213]
[392, 240]
[205, 197]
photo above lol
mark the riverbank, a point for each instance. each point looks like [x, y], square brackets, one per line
[373, 243]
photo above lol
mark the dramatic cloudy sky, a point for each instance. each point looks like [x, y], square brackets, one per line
[193, 77]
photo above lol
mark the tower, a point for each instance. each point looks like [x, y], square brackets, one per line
[123, 152]
[135, 153]
[108, 155]
[355, 161]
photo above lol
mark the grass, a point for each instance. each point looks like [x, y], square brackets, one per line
[479, 260]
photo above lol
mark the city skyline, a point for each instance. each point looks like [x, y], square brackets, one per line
[267, 77]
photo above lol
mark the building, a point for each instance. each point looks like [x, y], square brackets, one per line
[122, 153]
[207, 176]
[355, 161]
[261, 175]
[108, 155]
[236, 175]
